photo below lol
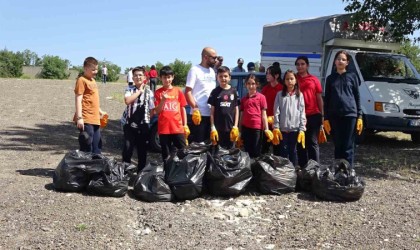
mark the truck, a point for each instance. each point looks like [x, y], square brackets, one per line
[389, 83]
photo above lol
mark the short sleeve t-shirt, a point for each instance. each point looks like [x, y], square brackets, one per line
[270, 93]
[90, 100]
[202, 81]
[225, 102]
[141, 101]
[310, 86]
[170, 118]
[252, 107]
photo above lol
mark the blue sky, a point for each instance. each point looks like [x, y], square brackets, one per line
[131, 33]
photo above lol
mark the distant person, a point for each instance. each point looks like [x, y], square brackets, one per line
[146, 73]
[276, 64]
[250, 67]
[219, 63]
[261, 68]
[153, 78]
[104, 73]
[311, 89]
[172, 118]
[253, 118]
[269, 91]
[343, 112]
[130, 77]
[239, 68]
[88, 112]
[201, 80]
[140, 107]
[224, 111]
[289, 118]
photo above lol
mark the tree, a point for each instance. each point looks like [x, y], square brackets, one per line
[30, 58]
[402, 17]
[10, 64]
[413, 52]
[113, 71]
[53, 67]
[180, 69]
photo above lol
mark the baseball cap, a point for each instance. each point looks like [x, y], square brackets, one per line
[251, 66]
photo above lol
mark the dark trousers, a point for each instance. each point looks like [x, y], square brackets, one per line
[136, 137]
[199, 133]
[266, 146]
[311, 150]
[288, 146]
[343, 130]
[104, 79]
[252, 141]
[169, 141]
[153, 83]
[224, 140]
[90, 139]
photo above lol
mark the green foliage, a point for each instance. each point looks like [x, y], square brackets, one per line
[53, 67]
[180, 69]
[402, 17]
[30, 58]
[10, 64]
[113, 71]
[413, 52]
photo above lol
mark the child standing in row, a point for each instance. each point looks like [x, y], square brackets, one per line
[224, 103]
[253, 118]
[88, 112]
[172, 118]
[289, 118]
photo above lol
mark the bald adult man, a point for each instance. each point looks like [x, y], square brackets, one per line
[201, 80]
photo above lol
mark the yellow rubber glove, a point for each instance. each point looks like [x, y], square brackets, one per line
[104, 120]
[277, 136]
[327, 126]
[359, 126]
[239, 142]
[187, 131]
[301, 138]
[322, 138]
[270, 120]
[214, 136]
[196, 117]
[234, 134]
[269, 135]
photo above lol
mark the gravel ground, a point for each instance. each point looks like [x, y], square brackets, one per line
[37, 132]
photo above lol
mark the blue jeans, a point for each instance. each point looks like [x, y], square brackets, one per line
[90, 139]
[343, 130]
[288, 146]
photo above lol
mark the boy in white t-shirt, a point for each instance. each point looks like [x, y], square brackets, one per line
[201, 80]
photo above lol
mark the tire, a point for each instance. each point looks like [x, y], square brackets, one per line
[154, 139]
[415, 137]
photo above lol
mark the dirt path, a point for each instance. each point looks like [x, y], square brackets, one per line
[36, 133]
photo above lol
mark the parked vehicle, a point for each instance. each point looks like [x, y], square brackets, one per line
[389, 83]
[237, 81]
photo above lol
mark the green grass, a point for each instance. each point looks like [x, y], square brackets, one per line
[81, 227]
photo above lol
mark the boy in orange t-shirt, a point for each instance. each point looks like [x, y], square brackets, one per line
[172, 118]
[88, 112]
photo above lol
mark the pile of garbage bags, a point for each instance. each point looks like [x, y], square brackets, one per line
[202, 168]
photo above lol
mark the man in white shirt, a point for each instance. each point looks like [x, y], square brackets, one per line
[104, 73]
[201, 80]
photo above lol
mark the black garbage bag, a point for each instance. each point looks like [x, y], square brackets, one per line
[338, 183]
[185, 177]
[150, 184]
[195, 148]
[112, 180]
[228, 173]
[72, 173]
[274, 174]
[306, 175]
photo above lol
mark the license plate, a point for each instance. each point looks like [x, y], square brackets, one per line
[414, 123]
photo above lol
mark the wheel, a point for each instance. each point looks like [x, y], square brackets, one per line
[415, 137]
[154, 143]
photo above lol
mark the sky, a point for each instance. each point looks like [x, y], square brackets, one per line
[134, 33]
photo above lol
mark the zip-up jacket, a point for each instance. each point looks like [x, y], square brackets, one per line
[289, 112]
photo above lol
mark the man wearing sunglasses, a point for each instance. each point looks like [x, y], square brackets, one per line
[201, 80]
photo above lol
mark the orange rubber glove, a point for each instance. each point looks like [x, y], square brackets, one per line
[327, 126]
[214, 136]
[322, 138]
[239, 142]
[196, 117]
[104, 120]
[234, 134]
[270, 120]
[359, 126]
[301, 138]
[277, 136]
[269, 135]
[187, 131]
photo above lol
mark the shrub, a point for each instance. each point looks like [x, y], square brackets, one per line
[10, 64]
[53, 67]
[113, 71]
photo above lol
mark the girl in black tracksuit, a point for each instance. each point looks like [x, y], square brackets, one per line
[343, 114]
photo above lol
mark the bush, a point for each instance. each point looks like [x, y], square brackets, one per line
[10, 64]
[113, 72]
[53, 67]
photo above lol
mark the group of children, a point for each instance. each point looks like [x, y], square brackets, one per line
[233, 121]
